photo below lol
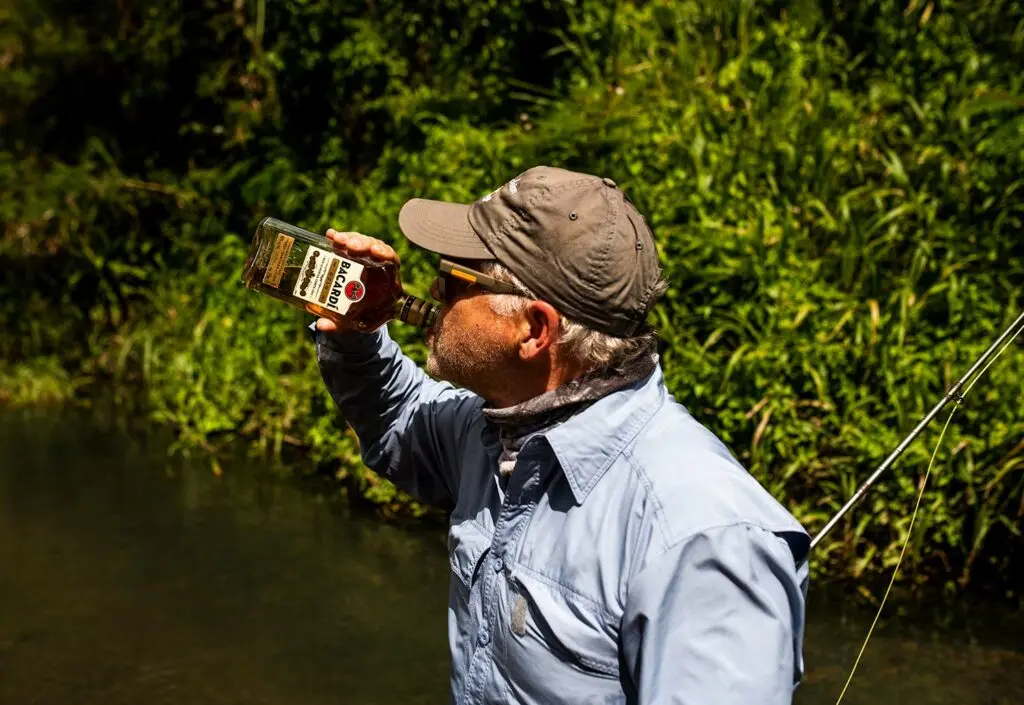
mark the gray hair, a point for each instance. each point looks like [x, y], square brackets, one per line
[592, 350]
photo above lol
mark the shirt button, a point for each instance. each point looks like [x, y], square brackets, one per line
[498, 564]
[484, 639]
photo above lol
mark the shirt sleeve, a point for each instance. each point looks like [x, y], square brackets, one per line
[717, 618]
[410, 427]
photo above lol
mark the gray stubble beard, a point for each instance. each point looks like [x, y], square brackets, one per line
[473, 362]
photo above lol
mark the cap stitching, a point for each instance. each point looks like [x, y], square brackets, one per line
[602, 253]
[591, 279]
[649, 289]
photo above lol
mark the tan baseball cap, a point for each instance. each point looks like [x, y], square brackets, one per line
[574, 239]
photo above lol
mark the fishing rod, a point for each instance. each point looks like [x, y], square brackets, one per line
[952, 395]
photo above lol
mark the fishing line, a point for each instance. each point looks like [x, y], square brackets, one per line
[895, 571]
[989, 364]
[954, 394]
[913, 517]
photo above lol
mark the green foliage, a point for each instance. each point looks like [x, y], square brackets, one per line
[37, 382]
[835, 190]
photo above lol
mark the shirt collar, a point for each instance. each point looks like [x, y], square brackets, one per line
[586, 444]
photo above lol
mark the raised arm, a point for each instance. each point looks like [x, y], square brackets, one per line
[410, 427]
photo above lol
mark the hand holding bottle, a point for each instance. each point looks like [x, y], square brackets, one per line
[357, 245]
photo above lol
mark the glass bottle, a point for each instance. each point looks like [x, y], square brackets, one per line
[305, 270]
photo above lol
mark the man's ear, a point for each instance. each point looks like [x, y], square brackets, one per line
[539, 331]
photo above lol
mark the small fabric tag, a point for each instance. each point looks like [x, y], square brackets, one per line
[519, 608]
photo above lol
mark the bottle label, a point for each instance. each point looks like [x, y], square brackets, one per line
[278, 258]
[329, 280]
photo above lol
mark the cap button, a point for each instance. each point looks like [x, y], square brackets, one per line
[608, 182]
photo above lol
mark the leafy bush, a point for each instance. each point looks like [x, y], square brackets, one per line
[834, 189]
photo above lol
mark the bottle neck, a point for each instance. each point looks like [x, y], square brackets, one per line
[415, 311]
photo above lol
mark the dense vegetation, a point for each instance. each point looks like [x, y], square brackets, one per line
[836, 188]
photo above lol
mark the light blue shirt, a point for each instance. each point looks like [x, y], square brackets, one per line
[629, 558]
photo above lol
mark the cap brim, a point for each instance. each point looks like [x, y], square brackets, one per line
[443, 228]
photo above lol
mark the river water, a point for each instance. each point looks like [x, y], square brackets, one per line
[126, 577]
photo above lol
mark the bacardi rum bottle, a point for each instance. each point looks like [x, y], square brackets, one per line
[307, 271]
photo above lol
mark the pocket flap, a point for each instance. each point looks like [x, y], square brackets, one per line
[467, 545]
[568, 625]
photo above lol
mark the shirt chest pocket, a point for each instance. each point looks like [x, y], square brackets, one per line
[467, 546]
[549, 620]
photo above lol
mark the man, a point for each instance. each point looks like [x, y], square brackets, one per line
[605, 547]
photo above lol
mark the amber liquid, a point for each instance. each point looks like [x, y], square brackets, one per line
[382, 301]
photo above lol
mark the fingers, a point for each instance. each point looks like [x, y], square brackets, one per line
[383, 251]
[358, 244]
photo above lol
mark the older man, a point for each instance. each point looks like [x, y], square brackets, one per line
[605, 547]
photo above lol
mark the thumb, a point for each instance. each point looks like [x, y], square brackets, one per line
[326, 325]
